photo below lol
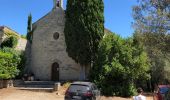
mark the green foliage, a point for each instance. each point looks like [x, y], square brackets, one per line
[29, 35]
[21, 64]
[157, 48]
[84, 28]
[4, 59]
[8, 67]
[119, 64]
[10, 42]
[11, 63]
[4, 75]
[18, 58]
[24, 36]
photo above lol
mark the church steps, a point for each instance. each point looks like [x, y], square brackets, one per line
[39, 82]
[37, 89]
[37, 86]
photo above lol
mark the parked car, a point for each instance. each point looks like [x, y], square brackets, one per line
[162, 92]
[82, 91]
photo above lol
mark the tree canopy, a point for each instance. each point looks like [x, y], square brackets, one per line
[152, 24]
[152, 16]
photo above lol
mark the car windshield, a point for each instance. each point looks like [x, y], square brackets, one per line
[78, 88]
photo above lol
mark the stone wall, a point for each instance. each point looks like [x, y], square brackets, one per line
[46, 50]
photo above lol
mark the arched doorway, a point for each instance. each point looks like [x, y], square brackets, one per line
[55, 72]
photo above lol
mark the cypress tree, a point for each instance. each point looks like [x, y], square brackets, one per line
[29, 28]
[84, 28]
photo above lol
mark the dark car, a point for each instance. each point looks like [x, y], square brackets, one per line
[82, 91]
[162, 93]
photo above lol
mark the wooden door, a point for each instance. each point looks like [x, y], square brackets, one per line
[55, 72]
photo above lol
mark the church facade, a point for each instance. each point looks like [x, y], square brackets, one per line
[48, 59]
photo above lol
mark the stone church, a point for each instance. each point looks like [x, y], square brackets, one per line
[48, 59]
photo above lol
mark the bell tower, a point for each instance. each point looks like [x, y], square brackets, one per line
[57, 3]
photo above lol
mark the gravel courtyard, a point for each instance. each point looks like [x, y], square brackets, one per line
[16, 94]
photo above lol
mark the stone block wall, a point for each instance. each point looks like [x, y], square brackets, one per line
[46, 50]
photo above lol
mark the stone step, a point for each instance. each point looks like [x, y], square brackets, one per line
[38, 86]
[37, 89]
[18, 83]
[39, 82]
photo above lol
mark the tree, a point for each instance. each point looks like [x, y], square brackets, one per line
[152, 26]
[120, 63]
[29, 29]
[84, 28]
[152, 16]
[152, 19]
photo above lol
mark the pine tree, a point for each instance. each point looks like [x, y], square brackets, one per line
[84, 28]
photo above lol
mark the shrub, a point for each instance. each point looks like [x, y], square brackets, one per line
[66, 85]
[10, 42]
[4, 76]
[18, 58]
[10, 63]
[119, 64]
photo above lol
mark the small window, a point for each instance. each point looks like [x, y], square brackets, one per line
[56, 35]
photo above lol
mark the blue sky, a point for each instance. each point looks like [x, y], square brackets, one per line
[14, 13]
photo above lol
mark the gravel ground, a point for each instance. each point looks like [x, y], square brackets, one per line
[16, 94]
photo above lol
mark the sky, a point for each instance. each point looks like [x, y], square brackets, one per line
[14, 14]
